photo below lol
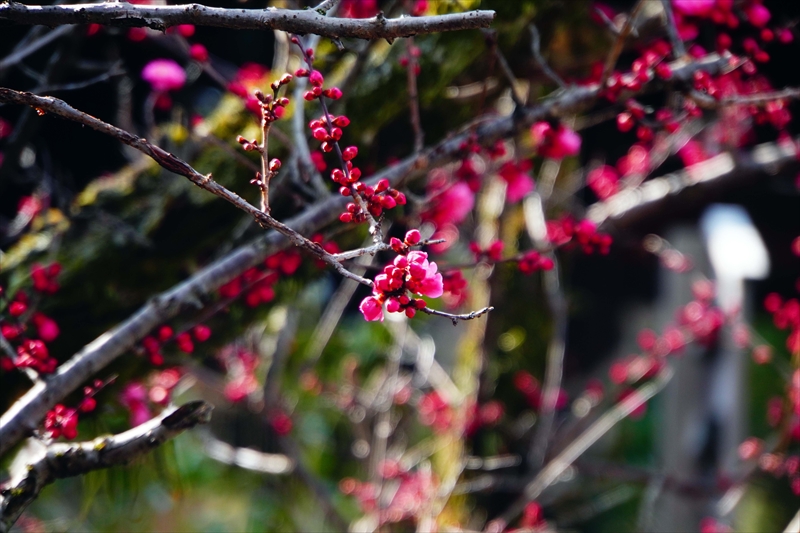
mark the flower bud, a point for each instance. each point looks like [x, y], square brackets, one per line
[316, 79]
[349, 153]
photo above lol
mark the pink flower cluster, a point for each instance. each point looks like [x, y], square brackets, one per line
[152, 345]
[435, 412]
[164, 75]
[555, 142]
[240, 365]
[30, 353]
[518, 179]
[786, 315]
[412, 494]
[584, 233]
[140, 399]
[407, 275]
[455, 288]
[62, 421]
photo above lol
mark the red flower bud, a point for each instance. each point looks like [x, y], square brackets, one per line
[316, 79]
[349, 153]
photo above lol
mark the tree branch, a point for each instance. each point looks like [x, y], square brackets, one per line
[62, 460]
[24, 416]
[553, 470]
[727, 167]
[161, 17]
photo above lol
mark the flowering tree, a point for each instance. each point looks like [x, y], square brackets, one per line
[478, 167]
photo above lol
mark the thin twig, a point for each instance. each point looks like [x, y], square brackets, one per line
[616, 50]
[709, 102]
[305, 21]
[178, 166]
[247, 458]
[456, 318]
[535, 222]
[553, 470]
[18, 55]
[23, 416]
[491, 38]
[413, 95]
[678, 48]
[300, 149]
[537, 55]
[115, 71]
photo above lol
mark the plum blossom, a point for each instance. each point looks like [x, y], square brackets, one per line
[451, 206]
[411, 273]
[694, 8]
[164, 75]
[604, 181]
[555, 142]
[518, 179]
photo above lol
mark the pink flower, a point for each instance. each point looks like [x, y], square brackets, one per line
[518, 178]
[428, 280]
[164, 75]
[604, 181]
[46, 327]
[758, 15]
[555, 143]
[452, 206]
[694, 8]
[371, 308]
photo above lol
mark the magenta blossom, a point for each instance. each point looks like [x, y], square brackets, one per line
[517, 176]
[694, 8]
[408, 275]
[164, 75]
[555, 142]
[371, 308]
[452, 206]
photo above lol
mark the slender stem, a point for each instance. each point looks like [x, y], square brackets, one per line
[678, 48]
[553, 470]
[413, 95]
[266, 173]
[456, 318]
[537, 55]
[616, 50]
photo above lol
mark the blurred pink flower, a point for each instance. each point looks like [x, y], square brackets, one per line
[451, 206]
[164, 75]
[694, 8]
[517, 176]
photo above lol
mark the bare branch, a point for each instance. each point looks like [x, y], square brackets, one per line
[413, 95]
[456, 318]
[172, 163]
[537, 55]
[161, 17]
[727, 167]
[62, 460]
[557, 302]
[553, 470]
[619, 43]
[22, 53]
[678, 49]
[709, 102]
[21, 419]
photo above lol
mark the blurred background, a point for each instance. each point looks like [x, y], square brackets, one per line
[313, 403]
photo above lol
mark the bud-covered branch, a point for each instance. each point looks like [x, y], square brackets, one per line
[21, 419]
